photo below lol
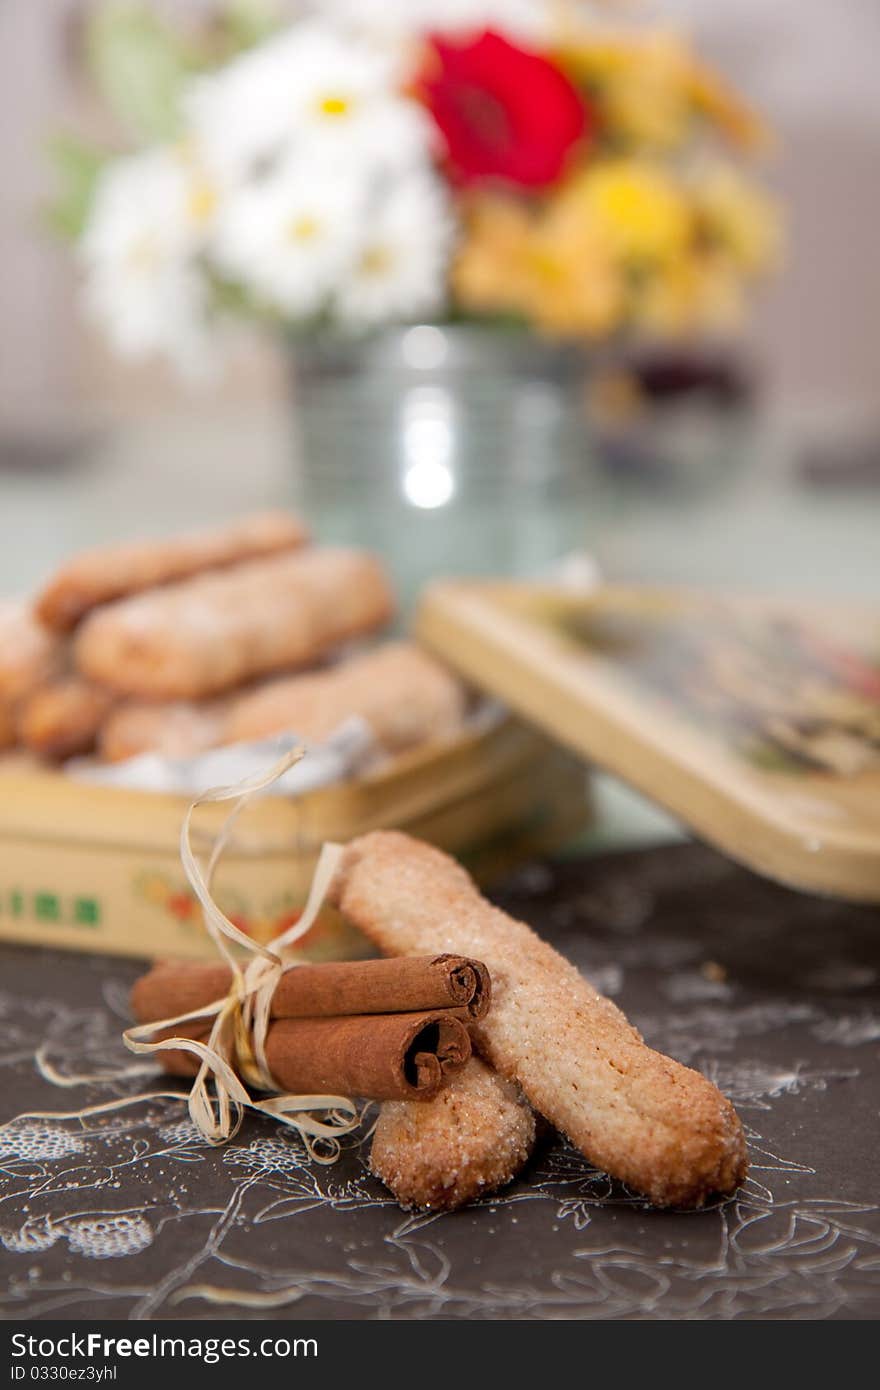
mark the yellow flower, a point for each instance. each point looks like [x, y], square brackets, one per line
[575, 288]
[622, 242]
[739, 218]
[648, 88]
[637, 207]
[490, 267]
[714, 99]
[639, 84]
[553, 268]
[577, 282]
[696, 291]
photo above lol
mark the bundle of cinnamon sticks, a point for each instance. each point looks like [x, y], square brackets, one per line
[393, 1029]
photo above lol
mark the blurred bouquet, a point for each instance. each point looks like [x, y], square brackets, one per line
[382, 161]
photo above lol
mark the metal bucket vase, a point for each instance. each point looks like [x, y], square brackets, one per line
[452, 450]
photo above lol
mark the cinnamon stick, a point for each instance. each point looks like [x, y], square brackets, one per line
[406, 1056]
[402, 984]
[438, 1152]
[382, 1057]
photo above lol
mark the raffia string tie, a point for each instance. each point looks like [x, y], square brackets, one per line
[235, 1051]
[234, 1057]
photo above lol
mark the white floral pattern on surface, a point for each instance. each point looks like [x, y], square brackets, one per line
[108, 1237]
[33, 1141]
[31, 1237]
[180, 1220]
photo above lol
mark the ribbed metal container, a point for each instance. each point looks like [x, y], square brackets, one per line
[451, 449]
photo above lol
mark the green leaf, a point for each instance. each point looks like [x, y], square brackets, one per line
[139, 66]
[77, 167]
[249, 22]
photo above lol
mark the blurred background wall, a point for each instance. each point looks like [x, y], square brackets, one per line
[53, 364]
[810, 65]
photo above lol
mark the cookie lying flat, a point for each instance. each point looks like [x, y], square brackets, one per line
[7, 725]
[657, 1125]
[29, 652]
[110, 572]
[209, 634]
[62, 717]
[172, 729]
[402, 693]
[465, 1143]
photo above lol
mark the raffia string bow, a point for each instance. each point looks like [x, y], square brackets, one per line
[234, 1053]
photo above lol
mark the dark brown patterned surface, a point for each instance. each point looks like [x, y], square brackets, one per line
[131, 1216]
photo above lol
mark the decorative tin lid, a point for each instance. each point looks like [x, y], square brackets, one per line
[756, 721]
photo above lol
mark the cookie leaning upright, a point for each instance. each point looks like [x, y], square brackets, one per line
[205, 635]
[642, 1117]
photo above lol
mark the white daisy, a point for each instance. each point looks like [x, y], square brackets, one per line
[290, 236]
[311, 92]
[154, 309]
[152, 204]
[399, 271]
[139, 252]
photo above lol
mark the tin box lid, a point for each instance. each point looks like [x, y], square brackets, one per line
[755, 721]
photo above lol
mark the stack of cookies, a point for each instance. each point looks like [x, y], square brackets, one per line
[212, 638]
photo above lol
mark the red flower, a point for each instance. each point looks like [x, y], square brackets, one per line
[504, 113]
